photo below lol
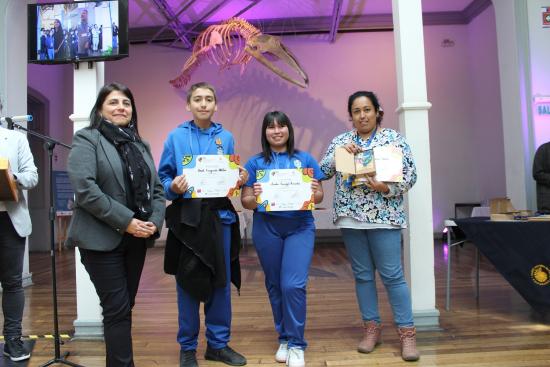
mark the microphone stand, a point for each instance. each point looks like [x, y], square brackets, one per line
[49, 145]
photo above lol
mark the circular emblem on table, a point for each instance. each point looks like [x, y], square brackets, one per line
[540, 274]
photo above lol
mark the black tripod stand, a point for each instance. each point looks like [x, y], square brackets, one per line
[49, 145]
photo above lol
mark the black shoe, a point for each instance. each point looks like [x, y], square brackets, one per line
[14, 349]
[188, 358]
[225, 355]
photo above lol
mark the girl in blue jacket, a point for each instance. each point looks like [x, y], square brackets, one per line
[283, 239]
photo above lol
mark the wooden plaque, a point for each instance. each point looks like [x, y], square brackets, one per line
[8, 187]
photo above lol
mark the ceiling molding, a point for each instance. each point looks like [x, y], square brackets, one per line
[475, 8]
[335, 21]
[314, 25]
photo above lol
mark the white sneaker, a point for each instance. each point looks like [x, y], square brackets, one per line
[295, 357]
[282, 353]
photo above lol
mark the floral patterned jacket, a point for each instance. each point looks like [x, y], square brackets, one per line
[360, 202]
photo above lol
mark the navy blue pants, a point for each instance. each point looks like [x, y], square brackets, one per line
[217, 310]
[285, 248]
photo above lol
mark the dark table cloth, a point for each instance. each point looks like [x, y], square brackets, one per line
[520, 251]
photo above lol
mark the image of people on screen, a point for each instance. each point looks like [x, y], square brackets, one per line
[49, 44]
[60, 43]
[43, 48]
[77, 31]
[83, 32]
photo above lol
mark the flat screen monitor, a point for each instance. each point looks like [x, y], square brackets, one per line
[68, 32]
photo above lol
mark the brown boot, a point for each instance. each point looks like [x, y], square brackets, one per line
[408, 343]
[372, 336]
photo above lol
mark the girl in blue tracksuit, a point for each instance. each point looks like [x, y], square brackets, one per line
[283, 239]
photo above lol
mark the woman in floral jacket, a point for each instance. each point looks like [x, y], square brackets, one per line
[370, 215]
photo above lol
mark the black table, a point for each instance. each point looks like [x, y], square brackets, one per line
[520, 251]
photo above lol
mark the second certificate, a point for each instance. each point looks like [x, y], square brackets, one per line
[285, 189]
[211, 176]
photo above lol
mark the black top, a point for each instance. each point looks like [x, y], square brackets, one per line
[541, 174]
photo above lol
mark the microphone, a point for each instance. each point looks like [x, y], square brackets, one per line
[22, 118]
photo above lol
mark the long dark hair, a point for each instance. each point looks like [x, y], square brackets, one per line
[58, 30]
[95, 115]
[58, 38]
[373, 98]
[283, 120]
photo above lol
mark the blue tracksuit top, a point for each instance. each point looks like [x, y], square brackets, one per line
[189, 139]
[281, 161]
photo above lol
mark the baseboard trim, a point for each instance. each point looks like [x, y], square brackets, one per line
[88, 330]
[426, 319]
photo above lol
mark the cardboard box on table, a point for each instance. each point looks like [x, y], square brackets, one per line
[501, 209]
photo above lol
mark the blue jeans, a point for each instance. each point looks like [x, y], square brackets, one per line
[378, 249]
[217, 311]
[285, 248]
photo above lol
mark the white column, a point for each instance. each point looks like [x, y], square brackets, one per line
[13, 75]
[88, 324]
[413, 122]
[515, 93]
[539, 77]
[524, 74]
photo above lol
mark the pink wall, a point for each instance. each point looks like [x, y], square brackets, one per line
[463, 91]
[55, 82]
[465, 120]
[319, 111]
[487, 131]
[449, 91]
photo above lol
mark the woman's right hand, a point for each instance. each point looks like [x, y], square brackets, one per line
[352, 148]
[179, 184]
[257, 189]
[140, 229]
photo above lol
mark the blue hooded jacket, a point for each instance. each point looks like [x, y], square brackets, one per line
[189, 139]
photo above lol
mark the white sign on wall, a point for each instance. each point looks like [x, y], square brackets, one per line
[542, 105]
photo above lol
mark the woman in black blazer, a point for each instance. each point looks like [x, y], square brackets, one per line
[118, 213]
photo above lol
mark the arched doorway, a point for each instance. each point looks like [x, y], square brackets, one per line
[38, 107]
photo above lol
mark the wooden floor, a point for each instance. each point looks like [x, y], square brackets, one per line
[500, 330]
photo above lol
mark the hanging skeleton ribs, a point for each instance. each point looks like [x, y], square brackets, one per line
[235, 42]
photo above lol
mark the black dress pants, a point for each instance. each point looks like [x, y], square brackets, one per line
[115, 275]
[12, 251]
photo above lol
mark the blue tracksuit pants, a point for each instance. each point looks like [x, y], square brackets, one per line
[285, 247]
[217, 311]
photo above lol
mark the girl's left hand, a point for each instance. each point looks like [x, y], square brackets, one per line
[243, 176]
[375, 185]
[257, 189]
[315, 185]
